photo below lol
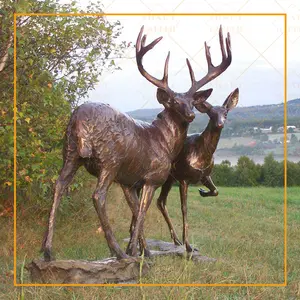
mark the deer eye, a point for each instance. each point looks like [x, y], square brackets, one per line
[175, 102]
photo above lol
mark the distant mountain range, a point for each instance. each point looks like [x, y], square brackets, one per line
[258, 113]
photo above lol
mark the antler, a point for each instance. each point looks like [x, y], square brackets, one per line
[141, 50]
[213, 71]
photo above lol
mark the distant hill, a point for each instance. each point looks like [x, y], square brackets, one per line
[265, 115]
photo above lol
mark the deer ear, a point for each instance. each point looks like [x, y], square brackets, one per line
[162, 96]
[202, 96]
[232, 100]
[202, 107]
[199, 100]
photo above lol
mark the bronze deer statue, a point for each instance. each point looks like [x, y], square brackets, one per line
[195, 162]
[116, 148]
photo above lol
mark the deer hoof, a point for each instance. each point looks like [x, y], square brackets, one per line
[48, 255]
[147, 252]
[215, 193]
[202, 192]
[191, 249]
[177, 242]
[122, 256]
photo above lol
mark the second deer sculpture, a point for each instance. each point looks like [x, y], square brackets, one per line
[195, 162]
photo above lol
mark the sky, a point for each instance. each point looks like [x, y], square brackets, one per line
[257, 67]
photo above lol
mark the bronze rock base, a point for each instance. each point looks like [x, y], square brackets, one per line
[158, 248]
[108, 270]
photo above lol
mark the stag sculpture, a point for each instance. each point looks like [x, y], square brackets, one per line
[115, 148]
[195, 162]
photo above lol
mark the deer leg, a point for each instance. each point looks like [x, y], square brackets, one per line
[99, 199]
[66, 175]
[147, 195]
[161, 204]
[133, 220]
[134, 216]
[183, 197]
[207, 181]
[131, 195]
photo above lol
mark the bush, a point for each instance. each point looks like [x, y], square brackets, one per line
[223, 174]
[59, 60]
[272, 171]
[247, 173]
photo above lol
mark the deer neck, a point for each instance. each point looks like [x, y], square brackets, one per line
[209, 139]
[173, 129]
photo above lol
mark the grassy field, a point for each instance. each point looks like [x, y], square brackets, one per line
[242, 228]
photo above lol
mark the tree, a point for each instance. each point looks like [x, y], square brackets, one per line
[272, 171]
[59, 60]
[6, 42]
[223, 174]
[293, 173]
[247, 172]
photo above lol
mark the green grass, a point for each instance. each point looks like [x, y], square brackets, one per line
[242, 228]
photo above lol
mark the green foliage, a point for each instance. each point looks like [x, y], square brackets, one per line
[59, 60]
[293, 173]
[272, 171]
[223, 174]
[247, 173]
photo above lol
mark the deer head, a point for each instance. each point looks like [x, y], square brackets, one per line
[218, 114]
[182, 103]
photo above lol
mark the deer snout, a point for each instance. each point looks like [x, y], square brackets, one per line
[220, 122]
[190, 116]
